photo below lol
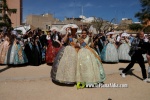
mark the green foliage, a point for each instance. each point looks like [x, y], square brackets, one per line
[147, 29]
[12, 10]
[145, 11]
[135, 27]
[6, 20]
[3, 24]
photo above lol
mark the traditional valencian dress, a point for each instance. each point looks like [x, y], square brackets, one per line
[36, 54]
[109, 52]
[53, 48]
[3, 51]
[89, 66]
[16, 55]
[65, 64]
[29, 51]
[123, 51]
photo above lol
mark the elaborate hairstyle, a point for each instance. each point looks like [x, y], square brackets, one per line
[12, 38]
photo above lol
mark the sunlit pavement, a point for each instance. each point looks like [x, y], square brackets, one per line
[34, 83]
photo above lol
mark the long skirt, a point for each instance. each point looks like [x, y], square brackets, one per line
[16, 55]
[29, 52]
[20, 57]
[51, 53]
[36, 56]
[109, 54]
[64, 66]
[3, 51]
[89, 68]
[123, 51]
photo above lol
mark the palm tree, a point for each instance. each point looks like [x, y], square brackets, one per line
[144, 14]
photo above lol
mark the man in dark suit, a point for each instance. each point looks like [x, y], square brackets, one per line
[136, 52]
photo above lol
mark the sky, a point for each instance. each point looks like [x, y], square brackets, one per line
[105, 9]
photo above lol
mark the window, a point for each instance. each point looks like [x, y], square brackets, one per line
[48, 27]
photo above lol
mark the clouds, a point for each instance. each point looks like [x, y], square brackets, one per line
[88, 5]
[74, 4]
[72, 8]
[74, 12]
[112, 6]
[99, 6]
[79, 4]
[134, 4]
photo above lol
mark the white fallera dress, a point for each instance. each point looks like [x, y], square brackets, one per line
[123, 51]
[89, 67]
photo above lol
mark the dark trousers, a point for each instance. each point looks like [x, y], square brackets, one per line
[140, 60]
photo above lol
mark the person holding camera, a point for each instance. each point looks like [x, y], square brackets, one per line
[136, 52]
[148, 57]
[124, 48]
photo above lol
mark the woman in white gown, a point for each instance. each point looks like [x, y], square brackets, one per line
[109, 53]
[124, 48]
[89, 67]
[65, 63]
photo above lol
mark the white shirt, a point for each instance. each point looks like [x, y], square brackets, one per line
[48, 37]
[118, 38]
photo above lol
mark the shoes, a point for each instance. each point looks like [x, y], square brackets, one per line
[123, 75]
[147, 80]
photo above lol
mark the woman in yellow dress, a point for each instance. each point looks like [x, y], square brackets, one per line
[65, 63]
[89, 66]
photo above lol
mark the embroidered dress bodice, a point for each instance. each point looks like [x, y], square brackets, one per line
[123, 41]
[48, 37]
[111, 40]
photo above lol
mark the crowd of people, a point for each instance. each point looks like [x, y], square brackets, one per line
[75, 58]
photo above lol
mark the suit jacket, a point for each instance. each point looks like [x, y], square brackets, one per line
[135, 45]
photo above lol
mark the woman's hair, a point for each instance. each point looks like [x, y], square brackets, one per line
[12, 38]
[30, 34]
[6, 34]
[111, 35]
[85, 30]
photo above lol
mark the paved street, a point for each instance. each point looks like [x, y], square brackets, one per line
[34, 83]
